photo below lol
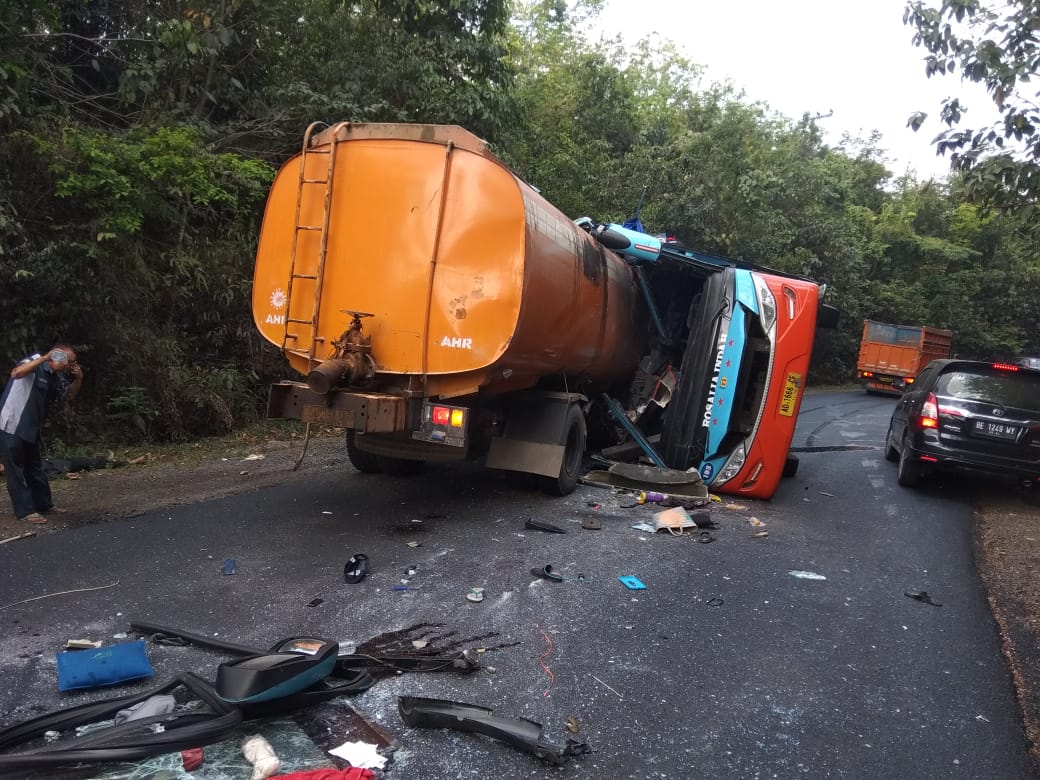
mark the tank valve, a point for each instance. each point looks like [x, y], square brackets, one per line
[351, 362]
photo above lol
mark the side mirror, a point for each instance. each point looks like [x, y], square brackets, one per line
[611, 239]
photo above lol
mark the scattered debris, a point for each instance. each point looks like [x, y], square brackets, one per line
[59, 593]
[572, 725]
[25, 535]
[415, 544]
[594, 677]
[639, 477]
[673, 520]
[261, 755]
[419, 644]
[829, 495]
[756, 522]
[191, 759]
[538, 525]
[476, 595]
[650, 497]
[593, 505]
[315, 602]
[591, 524]
[229, 566]
[326, 512]
[139, 459]
[356, 569]
[360, 754]
[254, 456]
[543, 656]
[547, 573]
[644, 527]
[632, 583]
[715, 601]
[760, 534]
[82, 644]
[922, 596]
[83, 669]
[705, 538]
[521, 733]
[734, 507]
[806, 575]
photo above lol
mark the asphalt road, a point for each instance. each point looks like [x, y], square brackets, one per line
[726, 665]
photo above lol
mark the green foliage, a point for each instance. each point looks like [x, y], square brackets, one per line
[995, 46]
[138, 140]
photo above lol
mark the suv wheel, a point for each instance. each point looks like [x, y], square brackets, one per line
[909, 473]
[891, 453]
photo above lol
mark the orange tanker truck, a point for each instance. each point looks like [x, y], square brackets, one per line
[440, 309]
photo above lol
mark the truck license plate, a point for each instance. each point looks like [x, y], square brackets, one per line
[790, 394]
[325, 415]
[996, 430]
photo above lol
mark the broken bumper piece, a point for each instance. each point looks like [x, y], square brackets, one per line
[521, 733]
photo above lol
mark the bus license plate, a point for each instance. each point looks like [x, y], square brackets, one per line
[996, 430]
[790, 394]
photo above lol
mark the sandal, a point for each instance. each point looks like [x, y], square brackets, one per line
[547, 573]
[34, 517]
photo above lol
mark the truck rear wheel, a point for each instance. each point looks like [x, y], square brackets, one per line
[573, 453]
[365, 462]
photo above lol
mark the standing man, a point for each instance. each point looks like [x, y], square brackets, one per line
[35, 386]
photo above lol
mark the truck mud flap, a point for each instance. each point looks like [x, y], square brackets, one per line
[365, 412]
[534, 440]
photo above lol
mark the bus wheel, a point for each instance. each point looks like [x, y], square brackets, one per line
[573, 453]
[790, 466]
[365, 462]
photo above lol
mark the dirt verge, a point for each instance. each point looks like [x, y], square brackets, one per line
[1007, 534]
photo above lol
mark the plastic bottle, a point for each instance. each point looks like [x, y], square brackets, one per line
[650, 497]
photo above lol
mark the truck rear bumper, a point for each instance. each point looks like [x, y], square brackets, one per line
[365, 412]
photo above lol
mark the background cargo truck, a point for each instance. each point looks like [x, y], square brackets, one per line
[441, 309]
[890, 356]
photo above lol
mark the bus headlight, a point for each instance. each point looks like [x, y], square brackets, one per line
[766, 304]
[734, 463]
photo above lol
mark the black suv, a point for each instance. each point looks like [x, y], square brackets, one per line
[967, 415]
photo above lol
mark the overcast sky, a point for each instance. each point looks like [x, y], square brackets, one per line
[852, 57]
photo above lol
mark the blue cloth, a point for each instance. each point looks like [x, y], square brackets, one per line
[104, 666]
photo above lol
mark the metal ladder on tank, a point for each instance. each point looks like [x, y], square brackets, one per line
[328, 151]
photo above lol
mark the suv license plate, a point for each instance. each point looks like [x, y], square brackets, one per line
[996, 430]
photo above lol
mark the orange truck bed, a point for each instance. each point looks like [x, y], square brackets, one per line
[890, 356]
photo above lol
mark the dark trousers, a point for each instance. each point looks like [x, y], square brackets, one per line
[23, 469]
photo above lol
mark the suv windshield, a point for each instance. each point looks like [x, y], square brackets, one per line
[1017, 389]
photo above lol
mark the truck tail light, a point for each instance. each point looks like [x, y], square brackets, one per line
[447, 415]
[1005, 367]
[929, 417]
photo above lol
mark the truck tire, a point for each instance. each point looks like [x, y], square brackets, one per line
[909, 473]
[573, 454]
[365, 462]
[399, 467]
